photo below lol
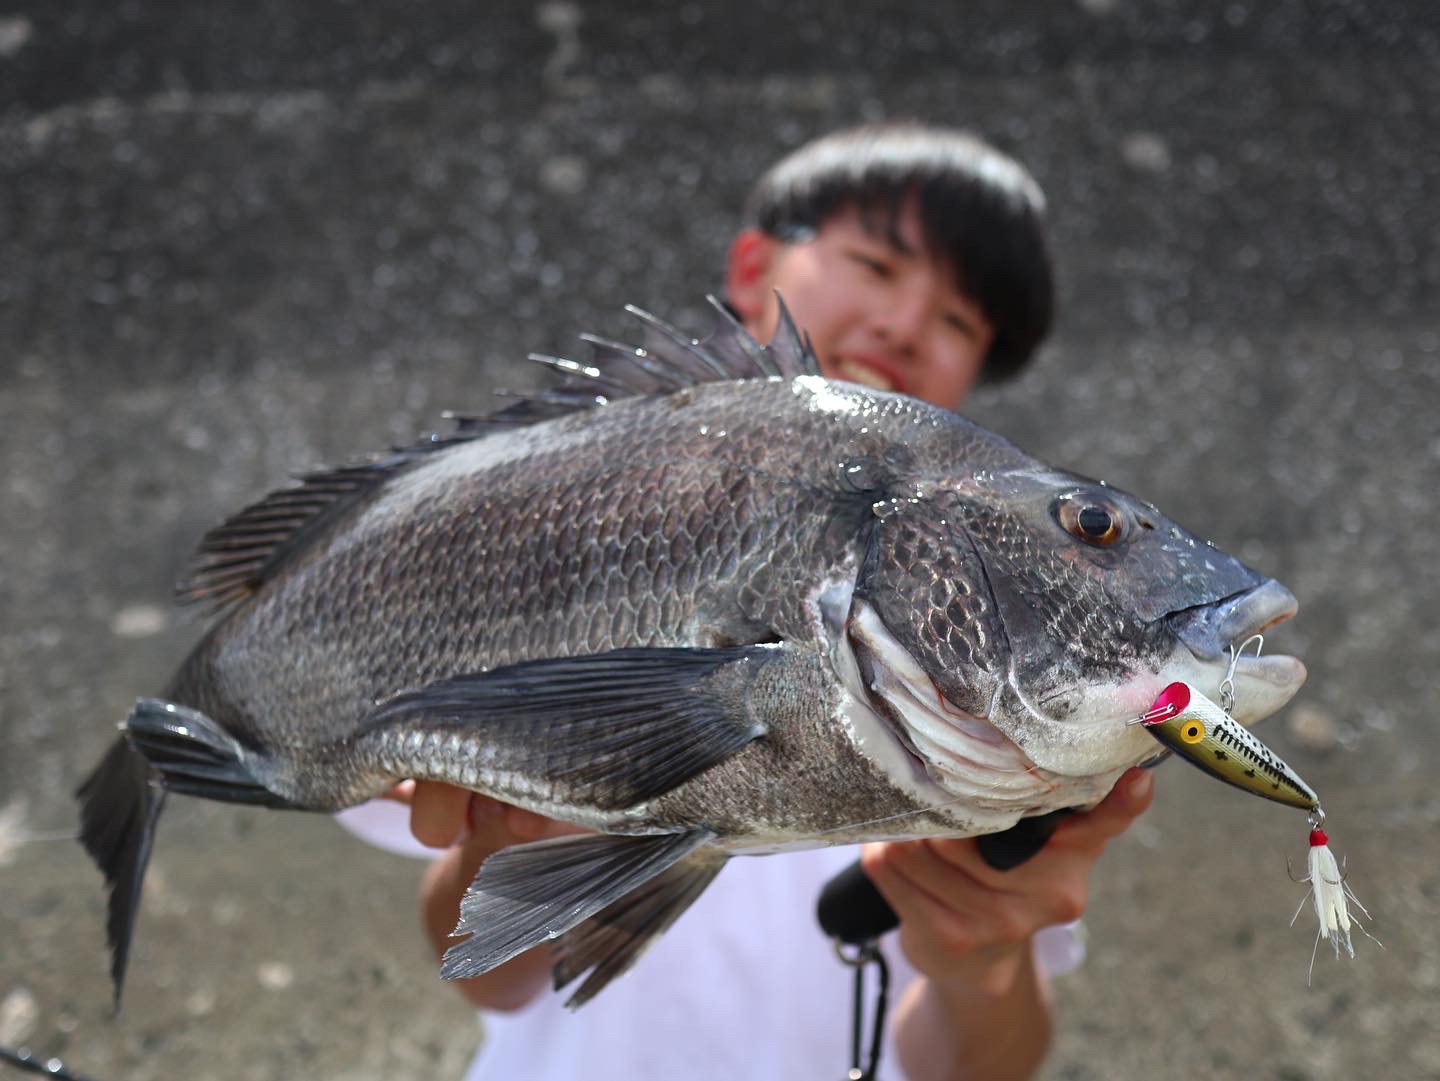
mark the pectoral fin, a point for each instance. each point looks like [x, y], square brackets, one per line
[533, 893]
[610, 730]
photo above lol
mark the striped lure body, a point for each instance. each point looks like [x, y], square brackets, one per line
[1197, 729]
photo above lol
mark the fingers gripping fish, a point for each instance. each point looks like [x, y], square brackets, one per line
[698, 599]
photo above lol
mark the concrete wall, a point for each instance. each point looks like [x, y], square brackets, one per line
[239, 240]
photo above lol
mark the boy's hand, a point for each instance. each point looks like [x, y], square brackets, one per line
[963, 922]
[442, 815]
[473, 827]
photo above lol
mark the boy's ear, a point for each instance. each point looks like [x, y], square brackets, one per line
[747, 274]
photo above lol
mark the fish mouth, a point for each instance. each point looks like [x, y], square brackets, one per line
[1215, 633]
[1210, 631]
[1077, 730]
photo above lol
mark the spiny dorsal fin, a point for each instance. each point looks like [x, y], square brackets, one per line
[667, 360]
[241, 553]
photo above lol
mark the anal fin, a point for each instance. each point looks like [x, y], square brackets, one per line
[534, 893]
[611, 941]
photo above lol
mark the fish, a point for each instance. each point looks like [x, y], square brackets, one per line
[699, 600]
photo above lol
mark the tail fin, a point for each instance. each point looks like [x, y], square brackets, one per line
[119, 806]
[166, 747]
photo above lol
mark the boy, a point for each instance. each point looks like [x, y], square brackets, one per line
[915, 258]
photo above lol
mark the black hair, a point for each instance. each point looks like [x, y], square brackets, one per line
[980, 212]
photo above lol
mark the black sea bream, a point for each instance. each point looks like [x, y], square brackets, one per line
[701, 600]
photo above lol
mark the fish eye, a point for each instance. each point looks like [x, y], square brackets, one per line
[1094, 522]
[1192, 731]
[1091, 520]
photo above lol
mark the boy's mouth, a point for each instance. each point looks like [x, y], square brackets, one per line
[859, 370]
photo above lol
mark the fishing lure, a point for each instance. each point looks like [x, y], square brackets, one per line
[1197, 729]
[1203, 732]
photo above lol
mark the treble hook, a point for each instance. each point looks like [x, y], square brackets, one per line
[1227, 685]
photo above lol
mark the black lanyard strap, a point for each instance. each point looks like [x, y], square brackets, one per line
[866, 955]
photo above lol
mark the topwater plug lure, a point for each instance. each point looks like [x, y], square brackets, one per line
[1203, 732]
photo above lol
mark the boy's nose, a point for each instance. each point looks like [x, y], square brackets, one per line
[901, 319]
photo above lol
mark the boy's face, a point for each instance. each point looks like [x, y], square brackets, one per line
[884, 315]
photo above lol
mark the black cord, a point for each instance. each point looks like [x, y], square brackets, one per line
[857, 1015]
[24, 1059]
[882, 1002]
[868, 954]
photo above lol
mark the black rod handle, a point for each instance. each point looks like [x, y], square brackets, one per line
[852, 909]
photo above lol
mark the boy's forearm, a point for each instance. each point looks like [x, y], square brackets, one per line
[513, 984]
[966, 1029]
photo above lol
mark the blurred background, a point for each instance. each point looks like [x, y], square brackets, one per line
[239, 240]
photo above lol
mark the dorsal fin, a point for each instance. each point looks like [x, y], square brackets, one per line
[237, 556]
[666, 361]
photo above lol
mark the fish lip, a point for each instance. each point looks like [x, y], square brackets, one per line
[1278, 669]
[1210, 630]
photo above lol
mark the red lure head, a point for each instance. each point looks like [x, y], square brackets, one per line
[1172, 701]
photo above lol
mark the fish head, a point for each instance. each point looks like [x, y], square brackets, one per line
[1011, 621]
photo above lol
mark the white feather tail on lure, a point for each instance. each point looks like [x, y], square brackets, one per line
[1332, 896]
[1328, 889]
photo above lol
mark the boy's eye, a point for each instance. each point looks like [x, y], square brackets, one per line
[878, 267]
[961, 324]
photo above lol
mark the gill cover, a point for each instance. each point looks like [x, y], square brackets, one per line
[925, 580]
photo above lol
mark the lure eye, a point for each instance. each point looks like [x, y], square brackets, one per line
[1091, 520]
[1192, 731]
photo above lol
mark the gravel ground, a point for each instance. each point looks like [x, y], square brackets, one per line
[239, 240]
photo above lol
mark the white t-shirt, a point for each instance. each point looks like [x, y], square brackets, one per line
[744, 985]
